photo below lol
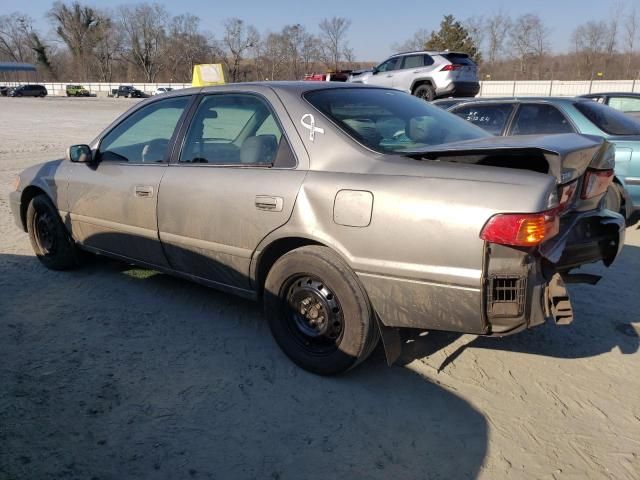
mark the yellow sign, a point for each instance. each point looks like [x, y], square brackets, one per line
[207, 74]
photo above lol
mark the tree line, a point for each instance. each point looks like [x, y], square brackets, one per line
[144, 43]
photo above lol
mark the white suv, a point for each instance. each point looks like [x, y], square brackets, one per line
[425, 74]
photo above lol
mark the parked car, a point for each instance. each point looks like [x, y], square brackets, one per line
[127, 91]
[539, 116]
[77, 91]
[447, 103]
[626, 102]
[350, 211]
[331, 76]
[161, 90]
[28, 91]
[427, 75]
[4, 90]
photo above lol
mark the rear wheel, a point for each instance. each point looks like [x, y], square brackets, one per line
[49, 238]
[318, 311]
[425, 92]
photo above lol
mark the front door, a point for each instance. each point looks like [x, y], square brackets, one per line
[385, 73]
[112, 202]
[235, 181]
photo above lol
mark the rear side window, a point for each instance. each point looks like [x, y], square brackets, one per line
[458, 58]
[608, 119]
[491, 118]
[625, 104]
[535, 119]
[417, 61]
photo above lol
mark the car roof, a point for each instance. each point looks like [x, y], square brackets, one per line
[528, 99]
[428, 52]
[610, 94]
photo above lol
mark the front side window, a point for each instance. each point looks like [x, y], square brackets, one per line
[491, 118]
[390, 121]
[230, 129]
[144, 136]
[540, 118]
[391, 64]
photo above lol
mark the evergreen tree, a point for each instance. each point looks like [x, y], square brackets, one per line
[454, 37]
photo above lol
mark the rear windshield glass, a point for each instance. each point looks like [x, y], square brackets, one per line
[458, 58]
[390, 121]
[608, 120]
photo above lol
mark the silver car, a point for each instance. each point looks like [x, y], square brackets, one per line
[427, 75]
[351, 212]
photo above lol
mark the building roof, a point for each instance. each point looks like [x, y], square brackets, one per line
[16, 67]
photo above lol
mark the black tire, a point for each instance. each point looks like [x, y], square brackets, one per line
[613, 199]
[49, 238]
[318, 311]
[425, 92]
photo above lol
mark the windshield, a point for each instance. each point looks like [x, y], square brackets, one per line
[608, 119]
[390, 121]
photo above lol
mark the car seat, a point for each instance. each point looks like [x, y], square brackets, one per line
[259, 149]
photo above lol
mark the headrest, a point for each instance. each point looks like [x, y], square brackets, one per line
[259, 149]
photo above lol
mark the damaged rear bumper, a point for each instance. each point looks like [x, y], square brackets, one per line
[523, 289]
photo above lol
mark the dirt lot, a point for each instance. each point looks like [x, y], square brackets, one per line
[112, 372]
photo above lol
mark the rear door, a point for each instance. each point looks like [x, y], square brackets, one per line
[492, 117]
[112, 203]
[234, 181]
[411, 66]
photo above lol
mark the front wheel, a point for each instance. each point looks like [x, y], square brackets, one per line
[318, 311]
[49, 238]
[425, 92]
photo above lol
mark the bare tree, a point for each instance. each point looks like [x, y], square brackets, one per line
[238, 39]
[416, 42]
[108, 47]
[477, 28]
[76, 25]
[15, 41]
[498, 26]
[528, 40]
[591, 42]
[186, 46]
[144, 28]
[333, 44]
[630, 33]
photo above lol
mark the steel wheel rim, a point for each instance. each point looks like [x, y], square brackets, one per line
[45, 233]
[314, 315]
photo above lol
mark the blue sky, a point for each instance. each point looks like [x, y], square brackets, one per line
[376, 25]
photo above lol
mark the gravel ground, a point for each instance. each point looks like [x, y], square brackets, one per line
[112, 372]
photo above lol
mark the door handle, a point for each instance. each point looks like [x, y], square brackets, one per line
[389, 76]
[143, 191]
[269, 203]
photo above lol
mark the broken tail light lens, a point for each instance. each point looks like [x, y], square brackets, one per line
[596, 182]
[521, 229]
[566, 194]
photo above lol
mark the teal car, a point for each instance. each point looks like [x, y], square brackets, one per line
[542, 116]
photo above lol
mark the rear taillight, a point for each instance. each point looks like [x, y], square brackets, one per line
[450, 67]
[521, 229]
[567, 192]
[596, 182]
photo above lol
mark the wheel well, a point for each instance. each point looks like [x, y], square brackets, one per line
[273, 252]
[420, 82]
[27, 195]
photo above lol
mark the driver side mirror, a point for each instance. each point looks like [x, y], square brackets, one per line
[79, 154]
[375, 71]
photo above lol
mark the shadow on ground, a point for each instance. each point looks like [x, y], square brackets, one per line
[111, 372]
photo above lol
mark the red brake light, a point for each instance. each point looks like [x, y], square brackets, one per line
[521, 229]
[596, 182]
[566, 195]
[450, 67]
